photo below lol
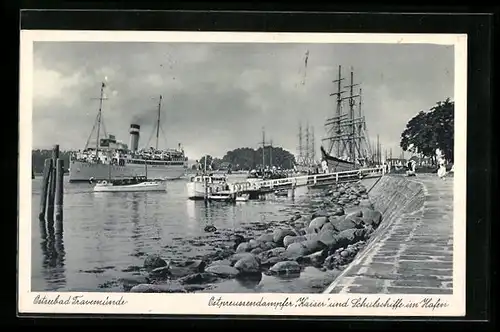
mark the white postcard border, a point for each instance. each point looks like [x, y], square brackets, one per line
[262, 303]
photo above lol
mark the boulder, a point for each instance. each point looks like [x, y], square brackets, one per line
[318, 222]
[273, 260]
[271, 253]
[236, 257]
[289, 239]
[328, 238]
[343, 223]
[286, 267]
[338, 212]
[129, 282]
[327, 227]
[279, 235]
[267, 245]
[198, 278]
[243, 247]
[311, 230]
[248, 264]
[295, 250]
[256, 251]
[319, 213]
[223, 271]
[315, 259]
[354, 214]
[160, 272]
[350, 236]
[313, 236]
[372, 217]
[267, 237]
[154, 261]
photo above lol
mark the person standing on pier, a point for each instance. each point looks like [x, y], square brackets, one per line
[441, 163]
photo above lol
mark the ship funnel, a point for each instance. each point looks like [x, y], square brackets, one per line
[134, 136]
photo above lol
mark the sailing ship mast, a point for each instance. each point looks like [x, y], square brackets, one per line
[98, 121]
[158, 123]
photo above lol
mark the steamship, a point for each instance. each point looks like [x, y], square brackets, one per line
[112, 159]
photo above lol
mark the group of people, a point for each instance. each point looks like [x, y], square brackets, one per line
[441, 161]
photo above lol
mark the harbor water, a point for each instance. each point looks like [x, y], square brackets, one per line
[107, 236]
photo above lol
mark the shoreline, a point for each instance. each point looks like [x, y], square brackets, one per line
[319, 240]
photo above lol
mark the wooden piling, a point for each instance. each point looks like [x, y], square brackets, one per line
[52, 184]
[59, 193]
[45, 188]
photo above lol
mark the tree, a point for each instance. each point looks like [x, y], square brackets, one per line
[38, 158]
[248, 158]
[431, 129]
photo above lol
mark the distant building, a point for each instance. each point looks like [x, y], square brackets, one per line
[224, 166]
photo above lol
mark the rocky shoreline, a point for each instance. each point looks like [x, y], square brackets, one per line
[328, 236]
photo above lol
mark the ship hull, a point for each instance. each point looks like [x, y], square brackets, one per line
[336, 164]
[195, 190]
[83, 172]
[146, 186]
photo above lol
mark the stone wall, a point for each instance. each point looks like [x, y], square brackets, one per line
[393, 196]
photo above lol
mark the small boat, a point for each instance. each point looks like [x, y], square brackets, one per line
[137, 184]
[200, 185]
[243, 198]
[281, 192]
[221, 196]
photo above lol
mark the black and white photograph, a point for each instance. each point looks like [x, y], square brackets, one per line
[256, 173]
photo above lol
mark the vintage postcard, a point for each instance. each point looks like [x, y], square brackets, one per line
[223, 173]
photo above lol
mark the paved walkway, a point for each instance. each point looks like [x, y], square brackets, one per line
[414, 256]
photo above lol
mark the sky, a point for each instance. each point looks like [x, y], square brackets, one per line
[218, 97]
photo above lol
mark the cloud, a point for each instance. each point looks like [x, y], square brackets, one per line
[217, 97]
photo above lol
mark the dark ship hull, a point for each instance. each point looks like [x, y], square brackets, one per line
[336, 164]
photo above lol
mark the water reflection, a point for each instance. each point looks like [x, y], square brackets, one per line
[52, 245]
[136, 231]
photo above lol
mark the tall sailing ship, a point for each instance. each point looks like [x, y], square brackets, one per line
[346, 146]
[306, 156]
[110, 158]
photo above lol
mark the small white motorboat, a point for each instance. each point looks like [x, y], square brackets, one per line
[243, 198]
[130, 185]
[221, 196]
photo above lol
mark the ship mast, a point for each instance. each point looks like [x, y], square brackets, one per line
[307, 156]
[301, 152]
[352, 126]
[313, 146]
[98, 121]
[158, 122]
[263, 149]
[339, 105]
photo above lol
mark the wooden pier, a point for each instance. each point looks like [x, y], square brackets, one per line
[257, 188]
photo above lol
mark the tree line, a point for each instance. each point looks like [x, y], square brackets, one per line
[431, 129]
[248, 159]
[38, 159]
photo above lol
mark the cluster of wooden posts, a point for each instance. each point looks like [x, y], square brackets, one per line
[51, 201]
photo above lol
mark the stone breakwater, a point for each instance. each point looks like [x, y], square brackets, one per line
[339, 222]
[412, 252]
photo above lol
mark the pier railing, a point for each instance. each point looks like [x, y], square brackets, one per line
[308, 180]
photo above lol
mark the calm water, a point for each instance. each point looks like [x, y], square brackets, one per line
[107, 233]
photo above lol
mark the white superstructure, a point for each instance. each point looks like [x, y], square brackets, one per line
[199, 185]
